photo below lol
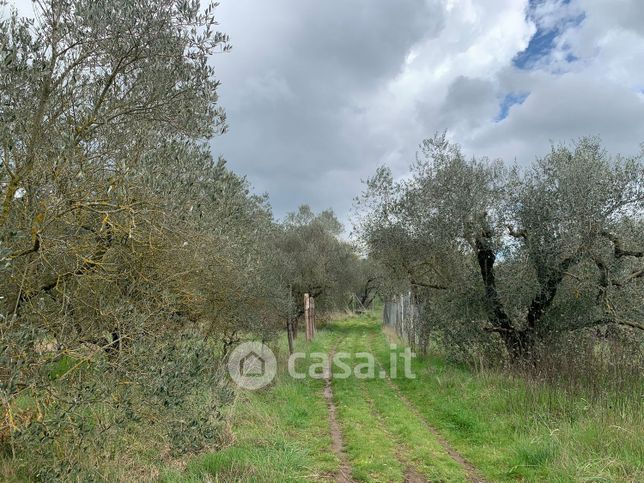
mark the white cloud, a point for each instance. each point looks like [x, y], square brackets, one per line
[453, 80]
[457, 80]
[598, 94]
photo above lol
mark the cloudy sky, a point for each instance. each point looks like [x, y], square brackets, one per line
[320, 93]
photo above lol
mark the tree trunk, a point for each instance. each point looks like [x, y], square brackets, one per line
[518, 343]
[289, 333]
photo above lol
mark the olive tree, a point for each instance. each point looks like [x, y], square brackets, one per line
[127, 254]
[313, 259]
[527, 241]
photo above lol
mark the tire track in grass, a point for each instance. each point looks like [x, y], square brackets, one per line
[425, 457]
[421, 454]
[473, 475]
[370, 449]
[411, 474]
[344, 472]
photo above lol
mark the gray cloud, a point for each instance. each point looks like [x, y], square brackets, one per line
[565, 110]
[469, 103]
[294, 86]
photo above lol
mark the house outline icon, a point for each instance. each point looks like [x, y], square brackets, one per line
[252, 365]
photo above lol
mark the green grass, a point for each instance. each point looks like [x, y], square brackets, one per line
[370, 448]
[508, 428]
[382, 436]
[512, 429]
[422, 450]
[280, 433]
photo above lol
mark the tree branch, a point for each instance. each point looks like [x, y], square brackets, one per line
[607, 321]
[618, 247]
[428, 285]
[517, 233]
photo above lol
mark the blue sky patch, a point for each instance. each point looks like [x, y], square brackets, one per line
[508, 101]
[544, 39]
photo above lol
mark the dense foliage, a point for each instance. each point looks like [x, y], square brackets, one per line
[517, 256]
[130, 260]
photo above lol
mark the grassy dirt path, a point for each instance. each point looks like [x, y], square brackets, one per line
[471, 472]
[344, 471]
[444, 425]
[386, 441]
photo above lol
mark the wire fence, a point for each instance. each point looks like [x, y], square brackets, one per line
[404, 315]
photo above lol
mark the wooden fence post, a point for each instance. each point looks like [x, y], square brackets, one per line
[307, 317]
[312, 316]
